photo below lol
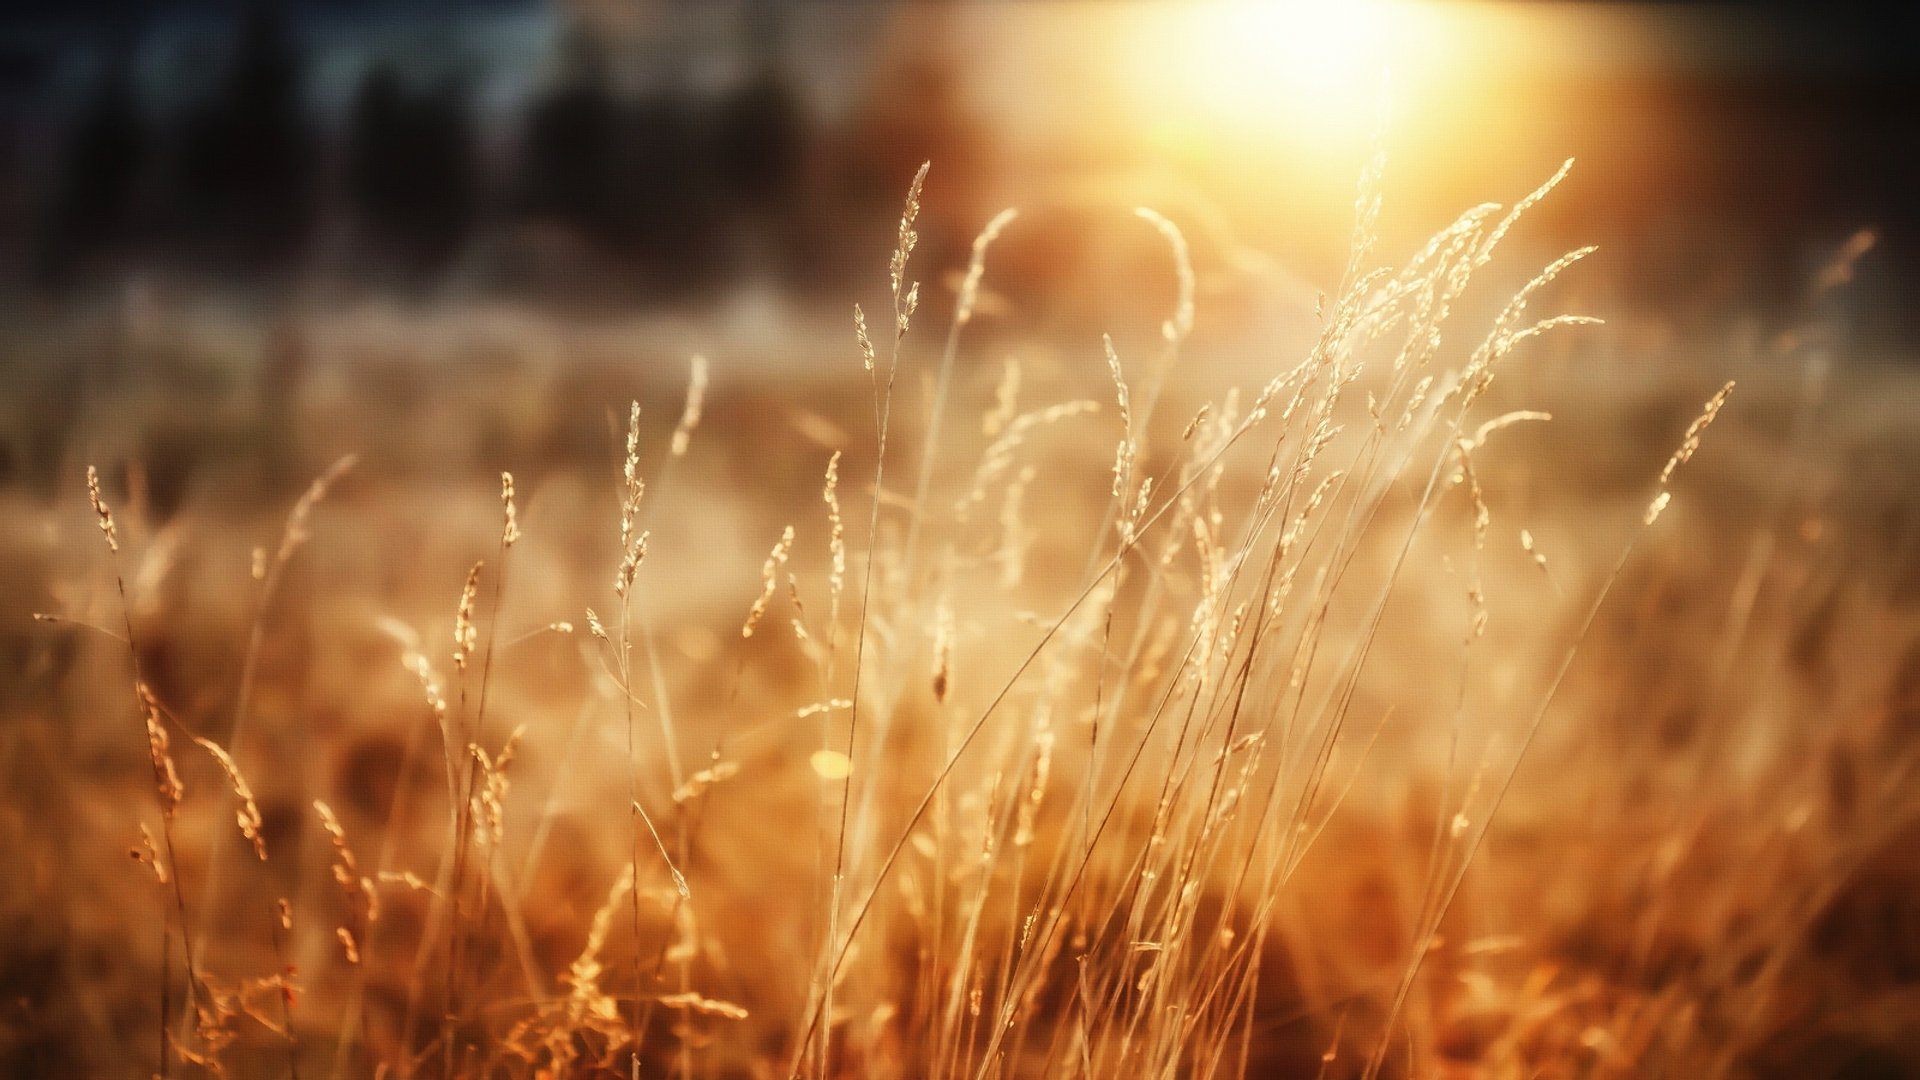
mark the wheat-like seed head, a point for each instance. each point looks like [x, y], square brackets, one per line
[165, 776]
[699, 782]
[248, 815]
[297, 532]
[149, 853]
[1029, 810]
[903, 247]
[466, 637]
[101, 510]
[769, 580]
[1123, 454]
[999, 456]
[907, 307]
[860, 337]
[1656, 507]
[690, 415]
[977, 265]
[1006, 397]
[355, 887]
[1691, 442]
[489, 799]
[585, 997]
[406, 878]
[703, 1005]
[1527, 545]
[510, 523]
[1177, 328]
[836, 532]
[422, 668]
[633, 547]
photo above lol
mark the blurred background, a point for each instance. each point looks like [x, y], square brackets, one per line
[240, 239]
[653, 154]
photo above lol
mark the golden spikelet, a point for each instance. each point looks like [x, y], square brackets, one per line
[297, 531]
[836, 539]
[585, 998]
[248, 815]
[1029, 811]
[490, 795]
[1463, 452]
[903, 247]
[633, 546]
[705, 1006]
[406, 878]
[769, 581]
[1199, 418]
[101, 510]
[1006, 397]
[1690, 444]
[1520, 208]
[422, 669]
[1011, 555]
[699, 782]
[696, 400]
[165, 777]
[860, 336]
[149, 853]
[466, 637]
[977, 265]
[1123, 454]
[1177, 328]
[1656, 507]
[1533, 552]
[998, 459]
[1136, 511]
[907, 308]
[357, 889]
[510, 523]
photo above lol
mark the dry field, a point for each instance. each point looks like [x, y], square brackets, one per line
[1437, 692]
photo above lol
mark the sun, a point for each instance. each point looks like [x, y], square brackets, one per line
[1306, 66]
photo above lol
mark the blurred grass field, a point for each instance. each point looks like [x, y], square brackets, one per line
[1236, 775]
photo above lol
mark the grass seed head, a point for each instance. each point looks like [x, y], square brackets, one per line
[510, 523]
[248, 815]
[101, 510]
[466, 637]
[696, 400]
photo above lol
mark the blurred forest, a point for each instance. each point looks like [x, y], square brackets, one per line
[662, 190]
[657, 152]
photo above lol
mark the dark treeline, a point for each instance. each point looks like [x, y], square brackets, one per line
[666, 191]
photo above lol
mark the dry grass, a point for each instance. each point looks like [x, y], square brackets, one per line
[1347, 725]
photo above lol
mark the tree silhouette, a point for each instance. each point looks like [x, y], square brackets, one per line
[410, 176]
[569, 153]
[92, 207]
[246, 171]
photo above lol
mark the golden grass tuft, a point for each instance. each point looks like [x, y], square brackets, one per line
[1202, 757]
